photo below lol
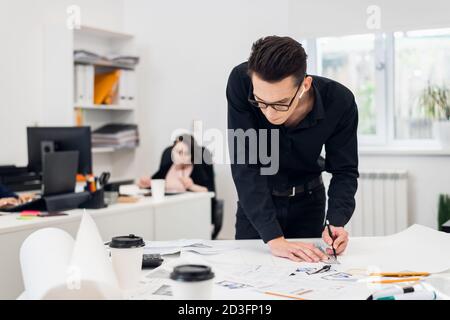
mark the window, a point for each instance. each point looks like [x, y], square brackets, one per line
[350, 61]
[422, 59]
[388, 73]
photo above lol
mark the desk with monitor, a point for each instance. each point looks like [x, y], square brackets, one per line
[179, 216]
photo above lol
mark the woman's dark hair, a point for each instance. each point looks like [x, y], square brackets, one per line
[191, 143]
[274, 58]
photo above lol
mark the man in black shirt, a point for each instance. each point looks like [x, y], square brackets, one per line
[272, 91]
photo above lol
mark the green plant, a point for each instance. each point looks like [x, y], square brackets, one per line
[444, 210]
[435, 102]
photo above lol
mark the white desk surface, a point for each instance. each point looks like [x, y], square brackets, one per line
[10, 223]
[249, 252]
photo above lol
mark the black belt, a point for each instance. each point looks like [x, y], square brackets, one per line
[296, 190]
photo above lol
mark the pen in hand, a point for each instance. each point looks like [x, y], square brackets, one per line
[331, 236]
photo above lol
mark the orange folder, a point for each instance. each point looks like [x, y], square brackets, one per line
[106, 87]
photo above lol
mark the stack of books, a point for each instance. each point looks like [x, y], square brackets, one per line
[116, 135]
[89, 57]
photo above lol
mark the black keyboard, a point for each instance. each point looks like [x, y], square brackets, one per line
[151, 261]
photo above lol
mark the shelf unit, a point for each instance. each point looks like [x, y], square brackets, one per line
[105, 64]
[121, 162]
[103, 107]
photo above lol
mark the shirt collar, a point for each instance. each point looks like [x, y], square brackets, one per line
[317, 112]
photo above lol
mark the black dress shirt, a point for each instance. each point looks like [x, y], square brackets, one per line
[332, 123]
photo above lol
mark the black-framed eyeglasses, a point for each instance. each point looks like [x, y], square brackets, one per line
[276, 106]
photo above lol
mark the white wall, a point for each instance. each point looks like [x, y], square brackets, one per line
[188, 49]
[333, 18]
[23, 64]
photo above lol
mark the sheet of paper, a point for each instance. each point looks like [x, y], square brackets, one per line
[193, 245]
[319, 289]
[417, 248]
[173, 244]
[132, 190]
[257, 275]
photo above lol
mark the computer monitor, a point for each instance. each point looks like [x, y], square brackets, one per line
[49, 139]
[59, 170]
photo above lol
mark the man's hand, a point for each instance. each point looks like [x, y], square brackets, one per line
[340, 237]
[296, 251]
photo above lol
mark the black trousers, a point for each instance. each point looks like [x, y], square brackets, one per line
[301, 216]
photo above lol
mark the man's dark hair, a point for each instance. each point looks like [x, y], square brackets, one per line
[275, 58]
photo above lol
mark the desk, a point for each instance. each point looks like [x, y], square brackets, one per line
[255, 252]
[179, 216]
[247, 253]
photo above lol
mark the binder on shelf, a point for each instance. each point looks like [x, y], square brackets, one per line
[106, 87]
[127, 89]
[84, 85]
[89, 78]
[122, 92]
[79, 89]
[131, 88]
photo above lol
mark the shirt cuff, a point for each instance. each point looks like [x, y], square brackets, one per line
[337, 219]
[270, 231]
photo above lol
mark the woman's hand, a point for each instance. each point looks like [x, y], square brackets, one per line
[145, 182]
[187, 182]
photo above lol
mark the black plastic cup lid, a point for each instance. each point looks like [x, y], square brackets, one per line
[127, 242]
[191, 273]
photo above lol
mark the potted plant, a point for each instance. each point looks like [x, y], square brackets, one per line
[435, 102]
[444, 210]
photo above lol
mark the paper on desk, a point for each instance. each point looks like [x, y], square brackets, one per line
[54, 266]
[417, 248]
[257, 275]
[319, 289]
[193, 245]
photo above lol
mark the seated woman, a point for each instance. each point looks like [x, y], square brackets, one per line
[8, 198]
[179, 170]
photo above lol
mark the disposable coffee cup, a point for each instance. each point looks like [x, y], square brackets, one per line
[158, 189]
[126, 256]
[192, 282]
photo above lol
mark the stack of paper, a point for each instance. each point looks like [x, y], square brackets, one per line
[116, 135]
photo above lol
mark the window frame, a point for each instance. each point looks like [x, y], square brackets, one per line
[384, 50]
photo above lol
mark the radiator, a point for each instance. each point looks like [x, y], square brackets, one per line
[381, 203]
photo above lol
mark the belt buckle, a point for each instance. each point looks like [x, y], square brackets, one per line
[293, 192]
